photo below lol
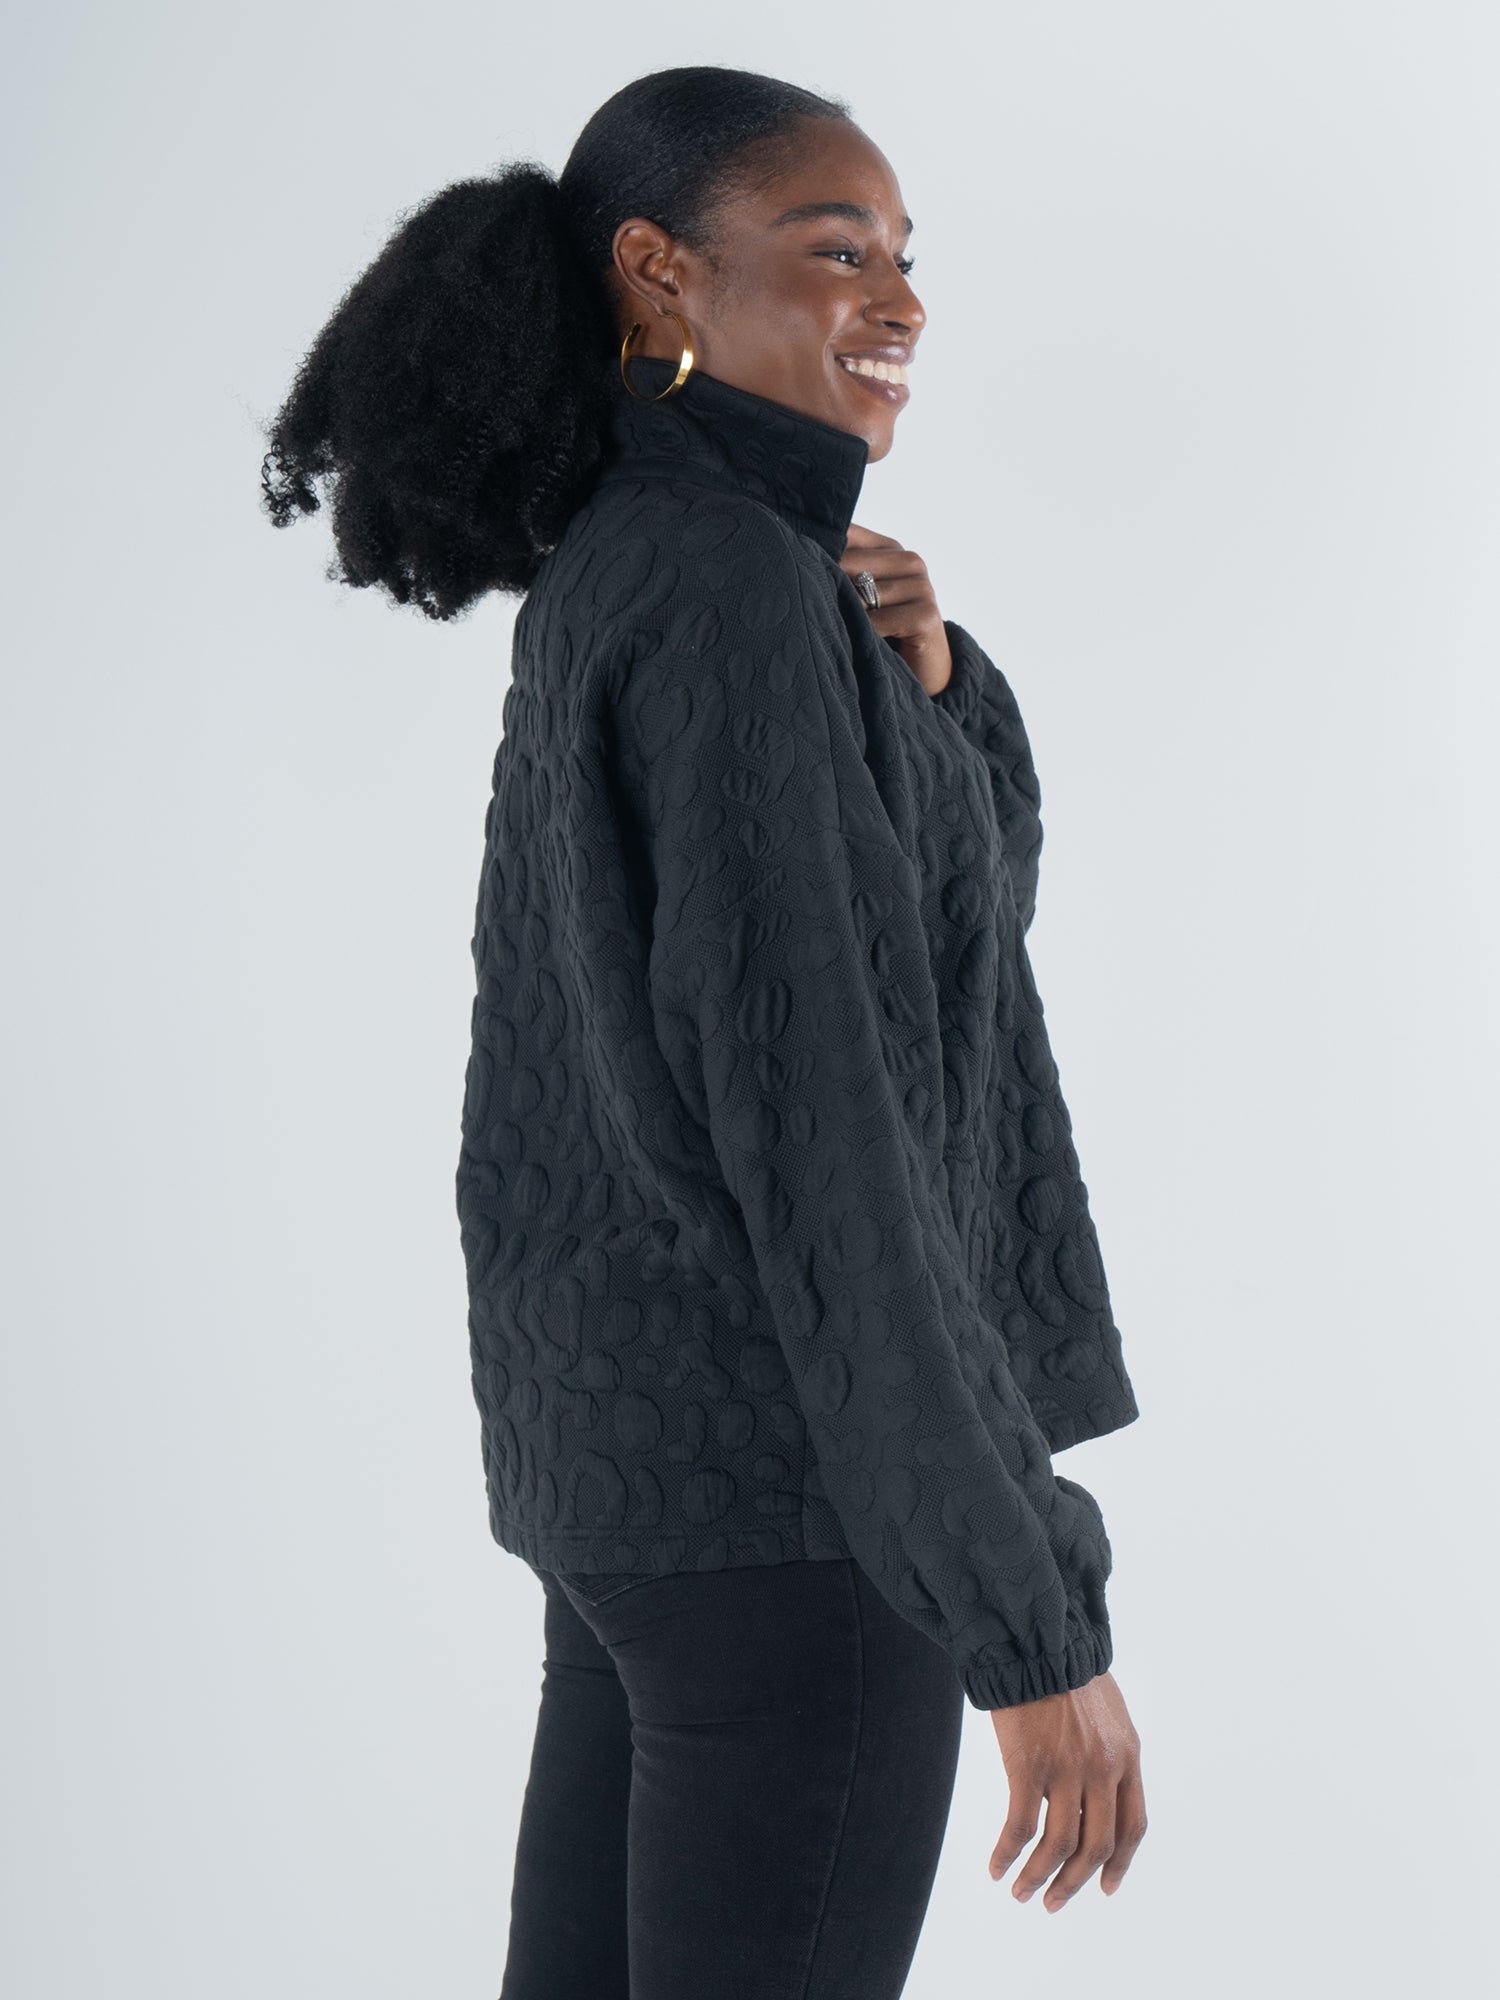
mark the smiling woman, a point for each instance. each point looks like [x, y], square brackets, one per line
[783, 1285]
[806, 301]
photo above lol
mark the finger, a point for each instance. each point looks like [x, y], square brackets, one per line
[1130, 1829]
[907, 632]
[1096, 1842]
[892, 585]
[866, 538]
[883, 562]
[1059, 1840]
[909, 618]
[1020, 1825]
[911, 587]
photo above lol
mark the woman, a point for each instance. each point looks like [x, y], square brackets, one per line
[782, 1280]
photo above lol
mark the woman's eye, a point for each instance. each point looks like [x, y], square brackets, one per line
[903, 264]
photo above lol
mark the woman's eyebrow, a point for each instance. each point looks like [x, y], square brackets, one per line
[848, 211]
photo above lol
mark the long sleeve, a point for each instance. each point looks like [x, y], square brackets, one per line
[979, 699]
[795, 1006]
[1045, 1284]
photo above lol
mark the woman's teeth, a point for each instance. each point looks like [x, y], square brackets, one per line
[883, 371]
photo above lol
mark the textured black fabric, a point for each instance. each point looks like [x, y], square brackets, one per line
[774, 1231]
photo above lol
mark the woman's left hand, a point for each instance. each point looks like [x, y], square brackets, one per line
[908, 615]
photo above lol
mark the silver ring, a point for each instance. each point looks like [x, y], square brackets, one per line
[868, 589]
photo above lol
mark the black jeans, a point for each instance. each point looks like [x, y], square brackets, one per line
[739, 1789]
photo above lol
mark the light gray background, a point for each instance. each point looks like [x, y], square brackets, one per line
[1203, 447]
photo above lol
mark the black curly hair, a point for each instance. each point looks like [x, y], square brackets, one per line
[455, 401]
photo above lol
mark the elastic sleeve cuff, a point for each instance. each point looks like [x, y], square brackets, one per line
[1087, 1654]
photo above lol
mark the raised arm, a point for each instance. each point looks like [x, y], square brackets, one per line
[979, 699]
[793, 992]
[1045, 1281]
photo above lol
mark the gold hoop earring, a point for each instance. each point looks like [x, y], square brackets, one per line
[684, 366]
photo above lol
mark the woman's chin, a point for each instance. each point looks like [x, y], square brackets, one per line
[880, 444]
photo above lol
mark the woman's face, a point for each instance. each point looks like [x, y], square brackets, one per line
[809, 277]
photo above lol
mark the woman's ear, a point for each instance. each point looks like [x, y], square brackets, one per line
[645, 270]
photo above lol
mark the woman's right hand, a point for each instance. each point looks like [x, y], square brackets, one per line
[1080, 1752]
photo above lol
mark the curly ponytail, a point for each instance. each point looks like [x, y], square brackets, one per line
[455, 401]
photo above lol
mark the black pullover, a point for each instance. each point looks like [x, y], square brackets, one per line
[775, 1237]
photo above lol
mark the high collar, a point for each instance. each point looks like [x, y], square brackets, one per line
[717, 435]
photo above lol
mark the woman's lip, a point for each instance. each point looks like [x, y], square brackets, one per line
[893, 394]
[902, 356]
